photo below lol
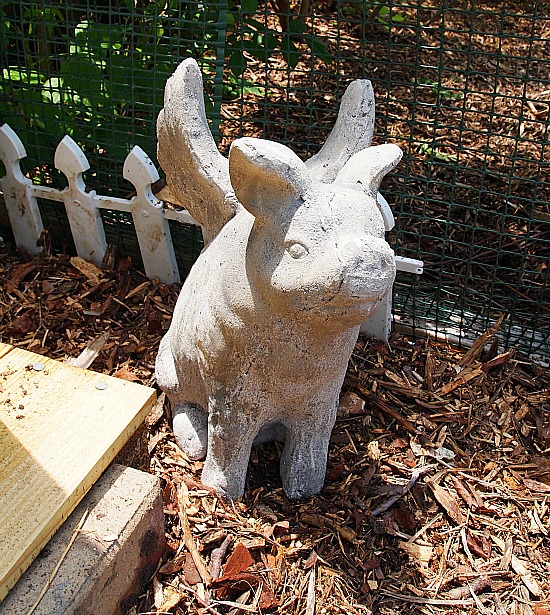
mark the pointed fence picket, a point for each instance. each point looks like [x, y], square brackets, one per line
[83, 207]
[150, 216]
[25, 219]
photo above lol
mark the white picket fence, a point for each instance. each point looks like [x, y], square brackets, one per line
[150, 216]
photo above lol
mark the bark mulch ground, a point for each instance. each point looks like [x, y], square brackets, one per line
[437, 492]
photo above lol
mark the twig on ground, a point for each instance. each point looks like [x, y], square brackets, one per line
[428, 601]
[58, 565]
[417, 473]
[218, 555]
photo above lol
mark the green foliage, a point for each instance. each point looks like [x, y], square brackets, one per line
[235, 88]
[248, 37]
[101, 77]
[96, 71]
[432, 150]
[440, 91]
[386, 16]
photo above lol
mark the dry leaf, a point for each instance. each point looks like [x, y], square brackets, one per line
[313, 519]
[345, 532]
[476, 546]
[405, 519]
[174, 565]
[448, 502]
[244, 581]
[172, 598]
[421, 554]
[464, 493]
[91, 271]
[311, 560]
[190, 571]
[125, 374]
[239, 560]
[18, 273]
[22, 324]
[351, 405]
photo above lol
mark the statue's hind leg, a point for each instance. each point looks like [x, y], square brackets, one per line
[304, 457]
[190, 426]
[189, 421]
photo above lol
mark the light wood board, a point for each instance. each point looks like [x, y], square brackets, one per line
[58, 432]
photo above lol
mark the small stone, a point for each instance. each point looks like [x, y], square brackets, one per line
[351, 405]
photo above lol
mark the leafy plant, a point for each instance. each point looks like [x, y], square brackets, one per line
[98, 75]
[97, 78]
[382, 13]
[234, 88]
[440, 91]
[432, 150]
[387, 17]
[250, 37]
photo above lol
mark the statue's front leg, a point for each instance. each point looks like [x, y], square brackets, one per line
[230, 437]
[190, 427]
[304, 457]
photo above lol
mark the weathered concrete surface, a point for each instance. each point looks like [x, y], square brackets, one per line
[112, 558]
[268, 317]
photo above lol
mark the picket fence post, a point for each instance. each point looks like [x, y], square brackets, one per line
[152, 229]
[23, 212]
[81, 207]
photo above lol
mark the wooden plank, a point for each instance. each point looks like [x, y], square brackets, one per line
[58, 432]
[4, 349]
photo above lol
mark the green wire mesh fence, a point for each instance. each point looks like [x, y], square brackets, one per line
[462, 86]
[96, 71]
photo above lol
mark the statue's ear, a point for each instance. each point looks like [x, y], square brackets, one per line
[266, 176]
[366, 169]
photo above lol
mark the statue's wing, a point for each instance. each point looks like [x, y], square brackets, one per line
[352, 132]
[196, 172]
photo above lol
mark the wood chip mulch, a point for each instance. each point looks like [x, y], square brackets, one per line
[437, 496]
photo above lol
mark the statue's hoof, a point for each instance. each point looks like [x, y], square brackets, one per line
[190, 427]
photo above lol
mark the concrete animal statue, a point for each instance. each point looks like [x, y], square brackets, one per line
[268, 317]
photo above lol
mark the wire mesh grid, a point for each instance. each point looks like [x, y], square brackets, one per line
[463, 87]
[96, 71]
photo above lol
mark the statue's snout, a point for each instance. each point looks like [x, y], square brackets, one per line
[368, 266]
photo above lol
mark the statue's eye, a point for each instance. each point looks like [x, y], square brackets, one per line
[297, 250]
